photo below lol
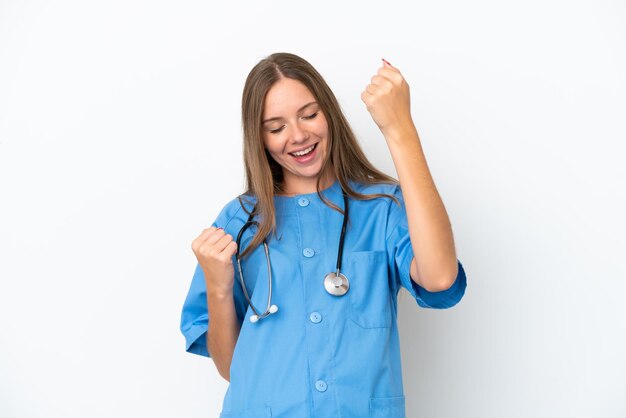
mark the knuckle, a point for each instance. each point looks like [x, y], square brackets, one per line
[208, 252]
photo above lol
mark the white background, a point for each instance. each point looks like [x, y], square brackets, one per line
[120, 140]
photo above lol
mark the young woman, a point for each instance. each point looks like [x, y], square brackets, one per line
[295, 291]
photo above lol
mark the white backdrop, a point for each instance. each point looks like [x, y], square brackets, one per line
[120, 140]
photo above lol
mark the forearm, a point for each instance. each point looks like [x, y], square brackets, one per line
[223, 331]
[435, 264]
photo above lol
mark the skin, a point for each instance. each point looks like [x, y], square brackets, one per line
[294, 127]
[293, 121]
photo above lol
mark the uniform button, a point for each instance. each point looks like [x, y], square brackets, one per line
[303, 201]
[315, 317]
[321, 386]
[308, 252]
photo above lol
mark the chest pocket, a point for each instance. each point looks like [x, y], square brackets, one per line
[369, 294]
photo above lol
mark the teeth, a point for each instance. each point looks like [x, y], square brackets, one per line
[303, 152]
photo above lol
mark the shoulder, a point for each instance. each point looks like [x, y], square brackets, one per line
[235, 211]
[378, 188]
[390, 208]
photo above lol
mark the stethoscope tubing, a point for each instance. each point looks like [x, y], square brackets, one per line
[330, 283]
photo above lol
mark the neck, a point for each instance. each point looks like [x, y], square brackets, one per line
[302, 186]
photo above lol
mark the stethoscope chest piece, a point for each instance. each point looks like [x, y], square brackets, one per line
[336, 285]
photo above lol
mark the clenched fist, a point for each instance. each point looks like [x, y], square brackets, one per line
[387, 98]
[214, 250]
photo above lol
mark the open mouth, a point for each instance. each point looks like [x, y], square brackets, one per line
[304, 152]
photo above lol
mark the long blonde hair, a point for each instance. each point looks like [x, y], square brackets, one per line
[264, 176]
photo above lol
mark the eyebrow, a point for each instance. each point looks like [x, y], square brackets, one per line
[299, 110]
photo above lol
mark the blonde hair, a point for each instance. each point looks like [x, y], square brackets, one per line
[264, 176]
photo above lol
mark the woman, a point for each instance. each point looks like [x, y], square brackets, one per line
[320, 336]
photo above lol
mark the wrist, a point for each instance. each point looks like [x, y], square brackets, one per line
[401, 133]
[219, 294]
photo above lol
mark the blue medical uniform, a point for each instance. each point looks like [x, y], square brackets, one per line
[319, 355]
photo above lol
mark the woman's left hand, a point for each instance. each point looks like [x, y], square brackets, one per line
[388, 100]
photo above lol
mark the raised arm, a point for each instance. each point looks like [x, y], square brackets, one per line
[434, 266]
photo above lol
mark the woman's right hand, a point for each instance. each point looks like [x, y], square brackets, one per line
[214, 250]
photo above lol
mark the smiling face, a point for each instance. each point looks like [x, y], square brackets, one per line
[295, 133]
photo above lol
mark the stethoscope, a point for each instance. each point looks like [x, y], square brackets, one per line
[335, 282]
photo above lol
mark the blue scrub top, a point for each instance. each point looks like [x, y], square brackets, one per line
[319, 355]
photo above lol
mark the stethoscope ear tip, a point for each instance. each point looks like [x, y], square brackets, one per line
[255, 318]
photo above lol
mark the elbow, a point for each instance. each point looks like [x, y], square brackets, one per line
[225, 375]
[442, 283]
[438, 286]
[443, 280]
[223, 371]
[222, 366]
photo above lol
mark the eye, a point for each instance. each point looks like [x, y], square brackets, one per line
[311, 116]
[275, 131]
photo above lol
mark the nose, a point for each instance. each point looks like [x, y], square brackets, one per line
[298, 133]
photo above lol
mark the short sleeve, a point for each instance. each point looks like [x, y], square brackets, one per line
[194, 322]
[400, 255]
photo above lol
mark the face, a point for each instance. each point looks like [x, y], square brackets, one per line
[295, 133]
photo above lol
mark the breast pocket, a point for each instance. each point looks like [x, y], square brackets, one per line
[370, 296]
